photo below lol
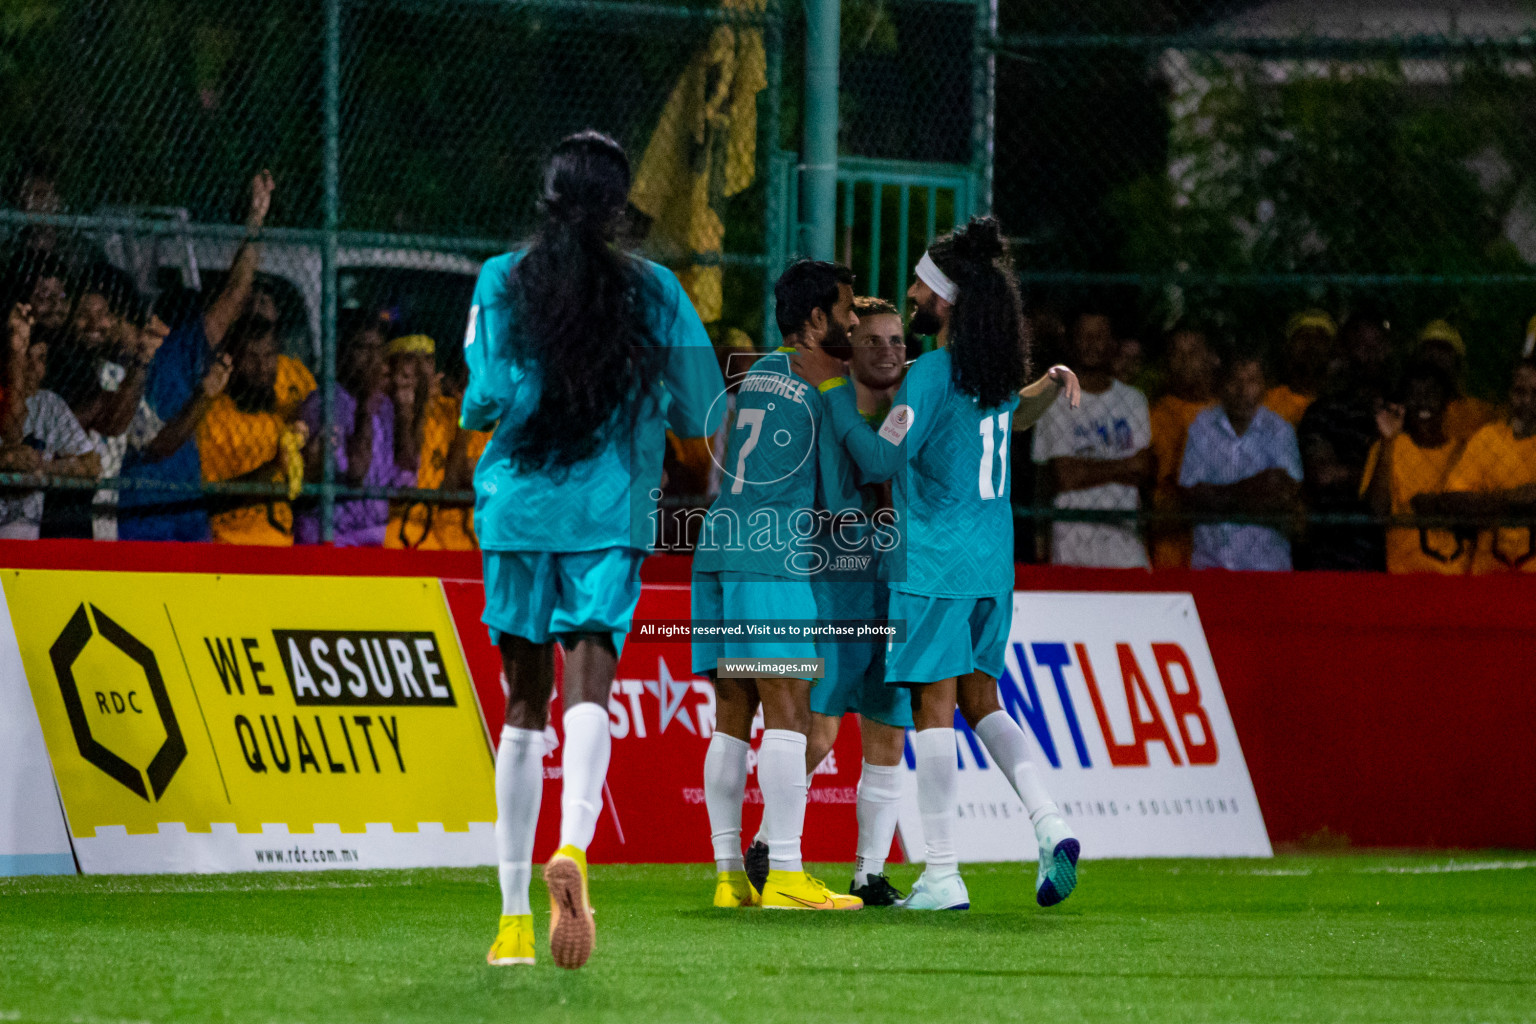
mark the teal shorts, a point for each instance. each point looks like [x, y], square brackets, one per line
[855, 679]
[749, 598]
[543, 595]
[947, 636]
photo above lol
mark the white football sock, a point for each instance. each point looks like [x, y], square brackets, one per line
[877, 808]
[725, 786]
[584, 767]
[519, 791]
[1006, 742]
[810, 780]
[936, 788]
[781, 774]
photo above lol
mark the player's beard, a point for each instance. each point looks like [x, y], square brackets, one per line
[926, 322]
[835, 342]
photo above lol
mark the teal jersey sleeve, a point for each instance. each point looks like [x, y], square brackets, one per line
[694, 385]
[881, 452]
[494, 379]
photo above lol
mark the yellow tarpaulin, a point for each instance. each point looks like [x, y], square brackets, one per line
[703, 151]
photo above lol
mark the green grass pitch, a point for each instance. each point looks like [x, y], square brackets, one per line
[1334, 938]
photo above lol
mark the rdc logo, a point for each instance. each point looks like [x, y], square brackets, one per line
[116, 701]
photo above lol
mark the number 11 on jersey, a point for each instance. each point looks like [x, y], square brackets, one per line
[989, 447]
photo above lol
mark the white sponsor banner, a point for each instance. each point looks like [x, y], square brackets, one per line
[33, 837]
[171, 849]
[1120, 701]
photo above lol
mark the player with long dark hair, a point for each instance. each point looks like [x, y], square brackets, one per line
[580, 356]
[945, 443]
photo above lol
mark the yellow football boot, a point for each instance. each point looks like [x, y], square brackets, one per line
[572, 932]
[733, 890]
[796, 890]
[514, 942]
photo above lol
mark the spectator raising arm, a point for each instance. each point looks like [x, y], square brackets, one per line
[1379, 466]
[115, 410]
[1036, 398]
[1496, 475]
[232, 300]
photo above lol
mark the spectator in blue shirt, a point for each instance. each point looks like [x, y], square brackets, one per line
[177, 384]
[1241, 458]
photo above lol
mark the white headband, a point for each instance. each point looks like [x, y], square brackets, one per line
[929, 273]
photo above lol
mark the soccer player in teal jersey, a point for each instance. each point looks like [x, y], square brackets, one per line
[855, 679]
[752, 567]
[580, 357]
[945, 444]
[857, 528]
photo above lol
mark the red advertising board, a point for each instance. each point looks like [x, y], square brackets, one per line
[661, 717]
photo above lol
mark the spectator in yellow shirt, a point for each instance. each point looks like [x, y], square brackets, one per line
[1442, 344]
[293, 382]
[1191, 390]
[1309, 339]
[1414, 457]
[434, 442]
[241, 440]
[1495, 479]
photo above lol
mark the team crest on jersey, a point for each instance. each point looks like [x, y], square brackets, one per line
[897, 423]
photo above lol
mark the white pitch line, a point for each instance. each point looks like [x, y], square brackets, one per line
[1435, 869]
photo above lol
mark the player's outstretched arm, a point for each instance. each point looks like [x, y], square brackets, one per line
[1035, 398]
[878, 454]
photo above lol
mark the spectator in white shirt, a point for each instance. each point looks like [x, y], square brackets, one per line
[1097, 457]
[53, 442]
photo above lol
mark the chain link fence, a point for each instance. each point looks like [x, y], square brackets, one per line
[1344, 189]
[211, 210]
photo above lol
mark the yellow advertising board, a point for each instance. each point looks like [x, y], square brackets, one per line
[238, 723]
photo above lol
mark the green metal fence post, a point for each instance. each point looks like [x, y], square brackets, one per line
[331, 173]
[818, 172]
[768, 148]
[983, 107]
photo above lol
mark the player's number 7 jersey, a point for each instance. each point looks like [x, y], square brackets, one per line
[768, 497]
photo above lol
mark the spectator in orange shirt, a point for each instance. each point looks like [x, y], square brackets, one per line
[1414, 457]
[1191, 390]
[1441, 344]
[243, 439]
[1309, 338]
[1495, 479]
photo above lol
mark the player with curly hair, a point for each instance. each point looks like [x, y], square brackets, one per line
[945, 445]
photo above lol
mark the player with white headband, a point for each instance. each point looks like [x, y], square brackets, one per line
[945, 443]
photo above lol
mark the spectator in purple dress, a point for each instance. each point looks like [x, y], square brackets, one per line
[364, 437]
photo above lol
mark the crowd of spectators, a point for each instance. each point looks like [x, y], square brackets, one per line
[1338, 463]
[1335, 462]
[95, 385]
